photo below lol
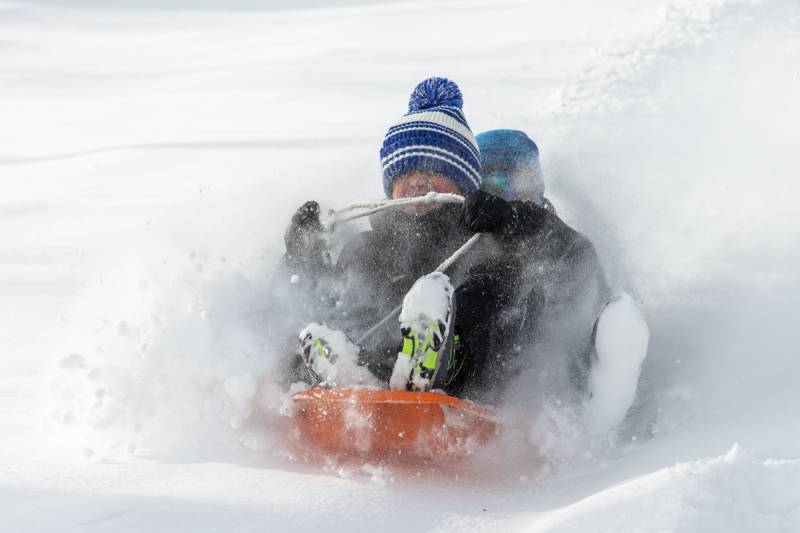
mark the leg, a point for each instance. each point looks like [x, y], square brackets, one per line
[331, 358]
[620, 345]
[426, 322]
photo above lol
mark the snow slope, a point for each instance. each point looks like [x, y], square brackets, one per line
[152, 154]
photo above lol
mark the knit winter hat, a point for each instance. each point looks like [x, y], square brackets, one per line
[434, 136]
[511, 169]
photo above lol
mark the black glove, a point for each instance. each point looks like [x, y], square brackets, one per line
[484, 212]
[303, 238]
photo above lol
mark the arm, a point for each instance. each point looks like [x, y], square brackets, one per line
[581, 294]
[300, 287]
[484, 212]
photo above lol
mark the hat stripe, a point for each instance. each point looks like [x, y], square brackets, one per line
[468, 150]
[452, 112]
[442, 119]
[396, 153]
[439, 157]
[468, 140]
[424, 150]
[422, 154]
[432, 137]
[430, 126]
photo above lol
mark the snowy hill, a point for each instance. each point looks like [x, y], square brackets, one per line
[152, 154]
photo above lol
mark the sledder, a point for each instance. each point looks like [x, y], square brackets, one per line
[531, 287]
[605, 361]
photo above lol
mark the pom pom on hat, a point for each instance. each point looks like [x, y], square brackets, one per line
[435, 92]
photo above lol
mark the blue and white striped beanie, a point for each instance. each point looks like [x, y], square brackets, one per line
[434, 136]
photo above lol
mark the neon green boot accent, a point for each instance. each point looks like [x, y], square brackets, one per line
[422, 344]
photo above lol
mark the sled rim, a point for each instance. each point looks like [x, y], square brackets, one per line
[386, 396]
[391, 426]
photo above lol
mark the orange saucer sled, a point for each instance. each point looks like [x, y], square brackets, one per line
[383, 424]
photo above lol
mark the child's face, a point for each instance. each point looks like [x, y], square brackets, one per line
[420, 183]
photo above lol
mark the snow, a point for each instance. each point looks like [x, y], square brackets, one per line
[401, 372]
[153, 153]
[621, 340]
[429, 299]
[734, 491]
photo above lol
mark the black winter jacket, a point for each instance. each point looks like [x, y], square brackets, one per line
[532, 292]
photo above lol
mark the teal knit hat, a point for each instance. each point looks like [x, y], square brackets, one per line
[511, 169]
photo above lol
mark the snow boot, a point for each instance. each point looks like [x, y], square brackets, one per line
[331, 359]
[621, 339]
[426, 323]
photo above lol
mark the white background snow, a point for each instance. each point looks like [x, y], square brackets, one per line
[151, 154]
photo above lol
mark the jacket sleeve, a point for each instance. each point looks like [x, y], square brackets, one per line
[569, 286]
[584, 280]
[575, 267]
[331, 293]
[300, 291]
[357, 310]
[583, 293]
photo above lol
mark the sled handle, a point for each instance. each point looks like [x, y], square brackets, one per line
[447, 263]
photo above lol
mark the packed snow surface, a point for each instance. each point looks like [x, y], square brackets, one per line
[153, 153]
